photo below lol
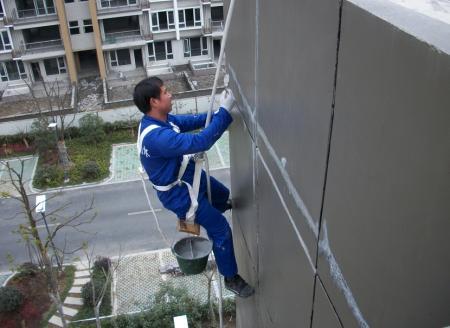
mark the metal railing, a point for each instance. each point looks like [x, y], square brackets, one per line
[36, 47]
[213, 26]
[117, 3]
[34, 13]
[115, 37]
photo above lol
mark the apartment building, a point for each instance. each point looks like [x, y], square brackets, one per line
[63, 39]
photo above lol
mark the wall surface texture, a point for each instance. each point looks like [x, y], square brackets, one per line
[340, 157]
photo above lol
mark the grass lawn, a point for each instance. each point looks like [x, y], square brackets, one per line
[81, 152]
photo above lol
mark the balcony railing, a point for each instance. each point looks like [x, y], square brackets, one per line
[217, 26]
[38, 47]
[33, 15]
[115, 37]
[114, 6]
[213, 26]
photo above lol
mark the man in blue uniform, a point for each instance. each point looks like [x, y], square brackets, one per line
[163, 144]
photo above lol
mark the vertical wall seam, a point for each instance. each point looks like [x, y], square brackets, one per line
[330, 133]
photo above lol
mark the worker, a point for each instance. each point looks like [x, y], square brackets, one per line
[165, 139]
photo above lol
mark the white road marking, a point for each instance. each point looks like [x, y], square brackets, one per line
[144, 212]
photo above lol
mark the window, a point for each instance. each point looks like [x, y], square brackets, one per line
[195, 47]
[12, 70]
[189, 17]
[55, 66]
[160, 50]
[2, 13]
[5, 41]
[163, 21]
[69, 1]
[74, 28]
[120, 57]
[87, 25]
[217, 13]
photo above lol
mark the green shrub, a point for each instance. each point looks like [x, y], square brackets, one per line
[170, 302]
[87, 294]
[10, 299]
[44, 138]
[48, 176]
[28, 269]
[90, 170]
[91, 128]
[102, 265]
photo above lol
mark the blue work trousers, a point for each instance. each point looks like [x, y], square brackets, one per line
[210, 217]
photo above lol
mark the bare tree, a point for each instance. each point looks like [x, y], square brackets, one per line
[43, 247]
[99, 288]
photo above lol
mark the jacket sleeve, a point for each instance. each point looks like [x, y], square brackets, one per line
[168, 143]
[190, 122]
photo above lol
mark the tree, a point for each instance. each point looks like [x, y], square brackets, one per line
[42, 248]
[101, 273]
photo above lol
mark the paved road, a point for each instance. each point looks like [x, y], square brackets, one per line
[123, 223]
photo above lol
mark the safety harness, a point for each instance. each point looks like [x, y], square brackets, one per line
[198, 158]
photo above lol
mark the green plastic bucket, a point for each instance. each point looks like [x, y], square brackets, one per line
[192, 254]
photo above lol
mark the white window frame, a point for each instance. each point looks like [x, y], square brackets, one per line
[169, 55]
[22, 73]
[60, 62]
[203, 47]
[8, 46]
[129, 3]
[115, 61]
[182, 19]
[155, 25]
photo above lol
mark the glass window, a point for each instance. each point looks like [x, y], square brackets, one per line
[160, 50]
[74, 28]
[123, 57]
[5, 43]
[162, 18]
[51, 66]
[189, 14]
[13, 70]
[87, 25]
[195, 47]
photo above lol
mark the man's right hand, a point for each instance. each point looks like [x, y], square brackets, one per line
[227, 99]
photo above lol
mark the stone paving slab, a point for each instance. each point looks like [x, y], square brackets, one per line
[73, 301]
[75, 290]
[81, 281]
[84, 273]
[125, 161]
[55, 320]
[69, 311]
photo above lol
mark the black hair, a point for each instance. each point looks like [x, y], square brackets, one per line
[146, 89]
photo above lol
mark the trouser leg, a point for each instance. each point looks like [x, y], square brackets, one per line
[219, 195]
[219, 232]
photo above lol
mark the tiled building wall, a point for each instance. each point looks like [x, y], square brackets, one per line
[339, 164]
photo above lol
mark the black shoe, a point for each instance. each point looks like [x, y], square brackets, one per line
[238, 286]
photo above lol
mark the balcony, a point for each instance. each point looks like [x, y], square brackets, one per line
[27, 18]
[213, 27]
[41, 49]
[116, 8]
[123, 39]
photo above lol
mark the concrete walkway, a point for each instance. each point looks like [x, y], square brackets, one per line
[73, 301]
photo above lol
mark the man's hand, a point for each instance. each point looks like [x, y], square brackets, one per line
[227, 99]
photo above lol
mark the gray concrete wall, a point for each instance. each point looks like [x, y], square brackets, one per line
[339, 163]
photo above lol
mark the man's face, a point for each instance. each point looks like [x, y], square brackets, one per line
[164, 103]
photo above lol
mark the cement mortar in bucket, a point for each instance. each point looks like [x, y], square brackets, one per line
[192, 254]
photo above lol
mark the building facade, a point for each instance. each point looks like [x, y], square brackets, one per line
[63, 39]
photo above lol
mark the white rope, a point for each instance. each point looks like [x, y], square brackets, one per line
[153, 212]
[208, 120]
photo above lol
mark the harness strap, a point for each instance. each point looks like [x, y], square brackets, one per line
[194, 189]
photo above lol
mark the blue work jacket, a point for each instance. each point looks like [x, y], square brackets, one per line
[163, 149]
